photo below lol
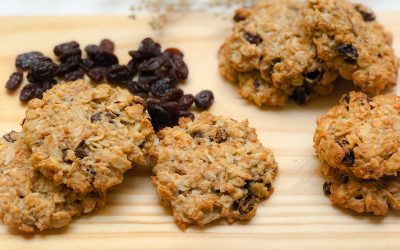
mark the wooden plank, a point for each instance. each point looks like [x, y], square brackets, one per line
[297, 216]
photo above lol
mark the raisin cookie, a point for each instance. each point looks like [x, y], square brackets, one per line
[29, 201]
[86, 137]
[268, 39]
[363, 196]
[212, 168]
[348, 39]
[361, 135]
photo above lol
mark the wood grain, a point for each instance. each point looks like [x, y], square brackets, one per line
[297, 216]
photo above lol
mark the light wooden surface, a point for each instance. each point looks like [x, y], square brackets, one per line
[297, 216]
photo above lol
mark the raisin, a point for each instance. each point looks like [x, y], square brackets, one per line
[9, 137]
[27, 92]
[87, 64]
[148, 79]
[367, 14]
[160, 87]
[74, 75]
[96, 74]
[172, 95]
[25, 61]
[81, 150]
[348, 52]
[186, 101]
[138, 87]
[245, 204]
[147, 49]
[46, 85]
[107, 45]
[359, 197]
[204, 99]
[151, 65]
[183, 113]
[327, 188]
[272, 66]
[96, 117]
[251, 38]
[268, 185]
[119, 74]
[14, 81]
[72, 63]
[65, 50]
[237, 17]
[302, 94]
[176, 68]
[315, 76]
[348, 158]
[100, 57]
[159, 117]
[172, 108]
[42, 68]
[220, 136]
[133, 66]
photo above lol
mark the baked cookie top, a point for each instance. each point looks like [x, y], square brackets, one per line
[349, 39]
[361, 135]
[86, 137]
[28, 200]
[363, 196]
[269, 38]
[212, 168]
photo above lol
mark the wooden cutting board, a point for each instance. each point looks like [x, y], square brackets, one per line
[297, 216]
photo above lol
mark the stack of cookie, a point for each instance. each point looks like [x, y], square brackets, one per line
[357, 142]
[291, 49]
[75, 145]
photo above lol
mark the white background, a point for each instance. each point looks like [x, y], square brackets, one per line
[95, 7]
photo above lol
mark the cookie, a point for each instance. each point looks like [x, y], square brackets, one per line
[268, 39]
[349, 39]
[363, 196]
[361, 135]
[30, 202]
[212, 168]
[86, 137]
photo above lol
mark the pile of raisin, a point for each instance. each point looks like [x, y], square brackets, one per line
[151, 74]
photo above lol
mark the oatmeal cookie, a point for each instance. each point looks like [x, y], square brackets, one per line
[86, 137]
[363, 196]
[212, 168]
[361, 135]
[269, 39]
[349, 39]
[29, 201]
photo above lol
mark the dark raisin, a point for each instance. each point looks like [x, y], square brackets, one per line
[159, 117]
[25, 61]
[72, 63]
[367, 14]
[172, 108]
[138, 87]
[119, 74]
[148, 79]
[74, 75]
[133, 66]
[96, 74]
[251, 38]
[107, 45]
[327, 188]
[147, 49]
[87, 64]
[41, 69]
[245, 204]
[9, 137]
[349, 158]
[160, 87]
[302, 94]
[237, 17]
[45, 85]
[176, 67]
[81, 150]
[204, 99]
[172, 95]
[348, 52]
[183, 113]
[14, 81]
[268, 185]
[96, 117]
[315, 76]
[272, 66]
[220, 136]
[27, 92]
[100, 57]
[151, 65]
[359, 197]
[186, 101]
[65, 50]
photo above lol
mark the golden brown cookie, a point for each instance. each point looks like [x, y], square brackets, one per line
[212, 168]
